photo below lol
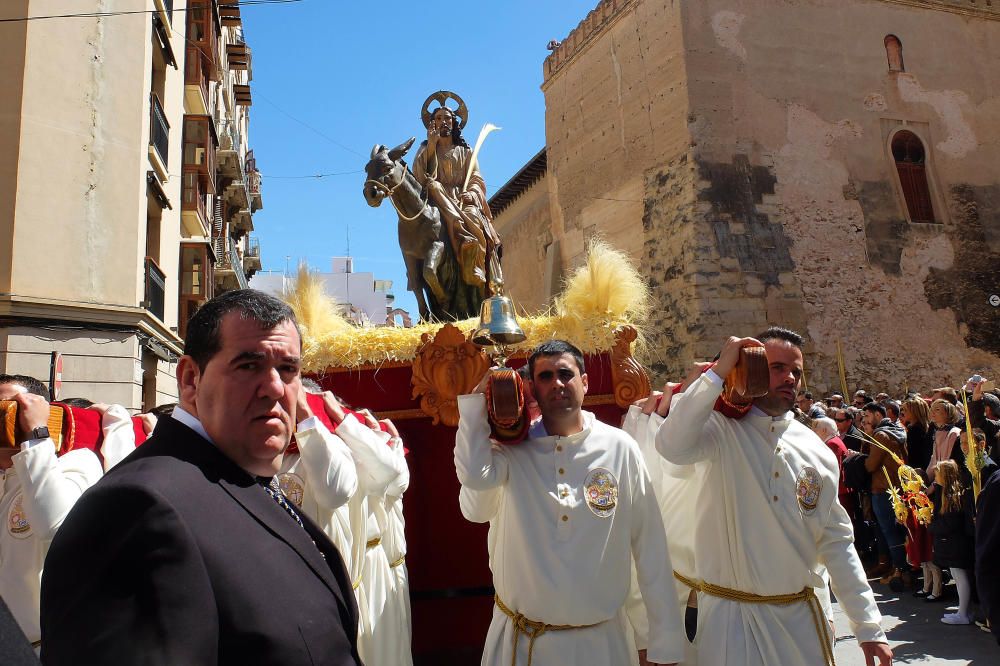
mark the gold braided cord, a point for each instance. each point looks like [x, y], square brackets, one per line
[807, 595]
[531, 628]
[356, 584]
[398, 562]
[373, 542]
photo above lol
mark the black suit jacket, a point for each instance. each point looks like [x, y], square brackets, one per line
[178, 556]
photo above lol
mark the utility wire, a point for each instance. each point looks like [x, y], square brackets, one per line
[310, 127]
[240, 3]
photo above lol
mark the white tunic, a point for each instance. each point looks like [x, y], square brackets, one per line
[383, 639]
[674, 487]
[38, 492]
[394, 543]
[119, 436]
[753, 534]
[320, 480]
[560, 552]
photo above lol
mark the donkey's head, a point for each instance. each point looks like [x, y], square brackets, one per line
[384, 171]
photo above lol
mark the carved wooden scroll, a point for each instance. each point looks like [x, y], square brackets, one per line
[446, 367]
[630, 380]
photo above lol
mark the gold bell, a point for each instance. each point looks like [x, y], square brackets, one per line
[497, 324]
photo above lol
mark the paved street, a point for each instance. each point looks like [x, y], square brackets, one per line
[917, 634]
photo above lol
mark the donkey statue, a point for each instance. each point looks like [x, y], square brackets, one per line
[432, 271]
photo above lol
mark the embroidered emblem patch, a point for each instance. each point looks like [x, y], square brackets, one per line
[293, 488]
[17, 520]
[808, 487]
[601, 492]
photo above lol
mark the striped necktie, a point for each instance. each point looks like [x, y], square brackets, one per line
[274, 490]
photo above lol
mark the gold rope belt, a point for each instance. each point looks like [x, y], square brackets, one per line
[373, 542]
[807, 595]
[398, 562]
[531, 628]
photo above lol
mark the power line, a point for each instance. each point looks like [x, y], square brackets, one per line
[315, 175]
[310, 127]
[240, 3]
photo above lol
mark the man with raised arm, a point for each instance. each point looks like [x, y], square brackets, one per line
[766, 518]
[569, 509]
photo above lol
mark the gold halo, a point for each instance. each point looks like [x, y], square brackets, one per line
[442, 96]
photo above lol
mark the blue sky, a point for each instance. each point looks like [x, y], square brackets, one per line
[333, 78]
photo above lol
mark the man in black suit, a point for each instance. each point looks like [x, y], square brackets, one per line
[183, 554]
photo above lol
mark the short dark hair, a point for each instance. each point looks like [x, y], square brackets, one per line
[993, 402]
[807, 395]
[555, 348]
[30, 383]
[163, 411]
[81, 403]
[892, 406]
[778, 333]
[203, 331]
[875, 407]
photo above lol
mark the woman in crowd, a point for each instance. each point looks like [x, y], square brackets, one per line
[953, 528]
[945, 415]
[916, 417]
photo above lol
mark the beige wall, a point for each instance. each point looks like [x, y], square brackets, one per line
[526, 229]
[74, 139]
[12, 42]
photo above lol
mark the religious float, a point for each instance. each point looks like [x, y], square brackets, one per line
[414, 376]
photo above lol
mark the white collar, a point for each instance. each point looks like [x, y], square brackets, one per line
[191, 421]
[537, 429]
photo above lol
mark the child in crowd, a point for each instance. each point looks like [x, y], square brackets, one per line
[953, 528]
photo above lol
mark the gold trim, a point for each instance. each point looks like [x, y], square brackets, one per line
[373, 542]
[397, 562]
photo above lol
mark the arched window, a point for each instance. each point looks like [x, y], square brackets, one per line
[894, 53]
[911, 165]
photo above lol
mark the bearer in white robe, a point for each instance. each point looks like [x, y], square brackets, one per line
[383, 638]
[766, 519]
[320, 477]
[569, 509]
[38, 490]
[394, 542]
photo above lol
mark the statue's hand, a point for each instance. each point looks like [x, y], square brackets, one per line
[432, 135]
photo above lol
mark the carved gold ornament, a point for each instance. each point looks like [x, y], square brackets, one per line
[446, 366]
[442, 96]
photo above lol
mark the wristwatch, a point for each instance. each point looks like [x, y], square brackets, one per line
[40, 433]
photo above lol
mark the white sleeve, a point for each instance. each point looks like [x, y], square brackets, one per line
[333, 478]
[52, 485]
[398, 485]
[847, 576]
[479, 464]
[682, 439]
[655, 574]
[479, 506]
[377, 465]
[119, 437]
[635, 610]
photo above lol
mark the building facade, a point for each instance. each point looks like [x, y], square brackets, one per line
[361, 297]
[828, 165]
[118, 214]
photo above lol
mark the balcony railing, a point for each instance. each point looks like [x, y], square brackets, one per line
[156, 285]
[253, 247]
[159, 129]
[193, 196]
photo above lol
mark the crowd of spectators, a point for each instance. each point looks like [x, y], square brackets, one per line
[872, 437]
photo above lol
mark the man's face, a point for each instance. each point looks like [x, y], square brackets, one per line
[805, 404]
[843, 420]
[247, 393]
[558, 386]
[859, 401]
[836, 402]
[444, 121]
[871, 419]
[785, 363]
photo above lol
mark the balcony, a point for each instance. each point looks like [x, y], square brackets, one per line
[200, 146]
[195, 284]
[156, 285]
[159, 137]
[194, 213]
[242, 95]
[251, 260]
[253, 183]
[229, 272]
[238, 53]
[196, 78]
[230, 15]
